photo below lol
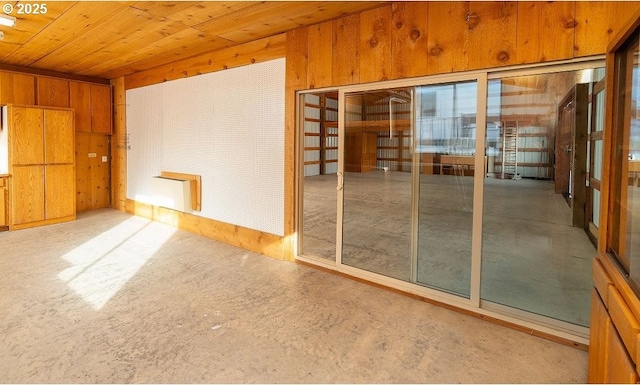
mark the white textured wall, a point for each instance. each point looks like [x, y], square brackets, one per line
[226, 126]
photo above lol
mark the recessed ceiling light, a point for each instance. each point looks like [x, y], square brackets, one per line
[7, 20]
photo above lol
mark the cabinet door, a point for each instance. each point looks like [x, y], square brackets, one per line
[26, 136]
[100, 109]
[598, 339]
[27, 194]
[17, 88]
[3, 202]
[620, 368]
[80, 100]
[53, 92]
[60, 191]
[58, 136]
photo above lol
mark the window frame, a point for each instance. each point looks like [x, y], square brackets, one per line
[616, 136]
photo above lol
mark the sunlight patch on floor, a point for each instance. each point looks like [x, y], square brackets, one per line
[103, 265]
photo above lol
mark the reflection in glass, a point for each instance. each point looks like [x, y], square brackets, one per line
[320, 157]
[633, 180]
[533, 258]
[377, 182]
[446, 129]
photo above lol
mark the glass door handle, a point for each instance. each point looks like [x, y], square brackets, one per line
[340, 181]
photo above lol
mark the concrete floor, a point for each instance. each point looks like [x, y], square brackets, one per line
[533, 260]
[112, 298]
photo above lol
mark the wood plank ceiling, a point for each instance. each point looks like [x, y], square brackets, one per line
[111, 39]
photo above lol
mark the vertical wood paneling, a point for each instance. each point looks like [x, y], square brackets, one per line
[598, 22]
[296, 79]
[409, 45]
[545, 31]
[492, 34]
[375, 44]
[92, 174]
[346, 50]
[118, 147]
[319, 45]
[447, 37]
[52, 92]
[80, 100]
[58, 136]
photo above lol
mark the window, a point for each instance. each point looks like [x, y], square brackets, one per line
[623, 241]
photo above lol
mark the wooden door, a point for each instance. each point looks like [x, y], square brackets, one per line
[17, 88]
[58, 134]
[101, 109]
[26, 136]
[60, 190]
[80, 100]
[53, 92]
[564, 146]
[92, 173]
[27, 194]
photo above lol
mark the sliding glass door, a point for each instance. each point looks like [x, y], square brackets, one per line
[446, 128]
[457, 187]
[377, 182]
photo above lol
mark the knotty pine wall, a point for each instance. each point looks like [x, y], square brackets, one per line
[394, 41]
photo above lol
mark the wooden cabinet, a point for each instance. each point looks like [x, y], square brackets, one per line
[101, 109]
[52, 92]
[27, 194]
[614, 329]
[4, 204]
[361, 153]
[92, 103]
[17, 88]
[41, 156]
[80, 100]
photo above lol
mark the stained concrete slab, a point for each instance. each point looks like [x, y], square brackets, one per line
[112, 298]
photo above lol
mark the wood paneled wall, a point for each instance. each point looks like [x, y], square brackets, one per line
[409, 39]
[395, 41]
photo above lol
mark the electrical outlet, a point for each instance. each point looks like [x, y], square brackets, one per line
[104, 158]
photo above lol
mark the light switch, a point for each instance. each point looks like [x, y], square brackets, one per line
[104, 158]
[92, 155]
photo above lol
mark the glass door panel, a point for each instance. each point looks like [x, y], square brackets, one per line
[536, 255]
[319, 145]
[446, 147]
[377, 184]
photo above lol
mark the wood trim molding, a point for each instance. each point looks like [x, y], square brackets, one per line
[624, 32]
[52, 74]
[249, 239]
